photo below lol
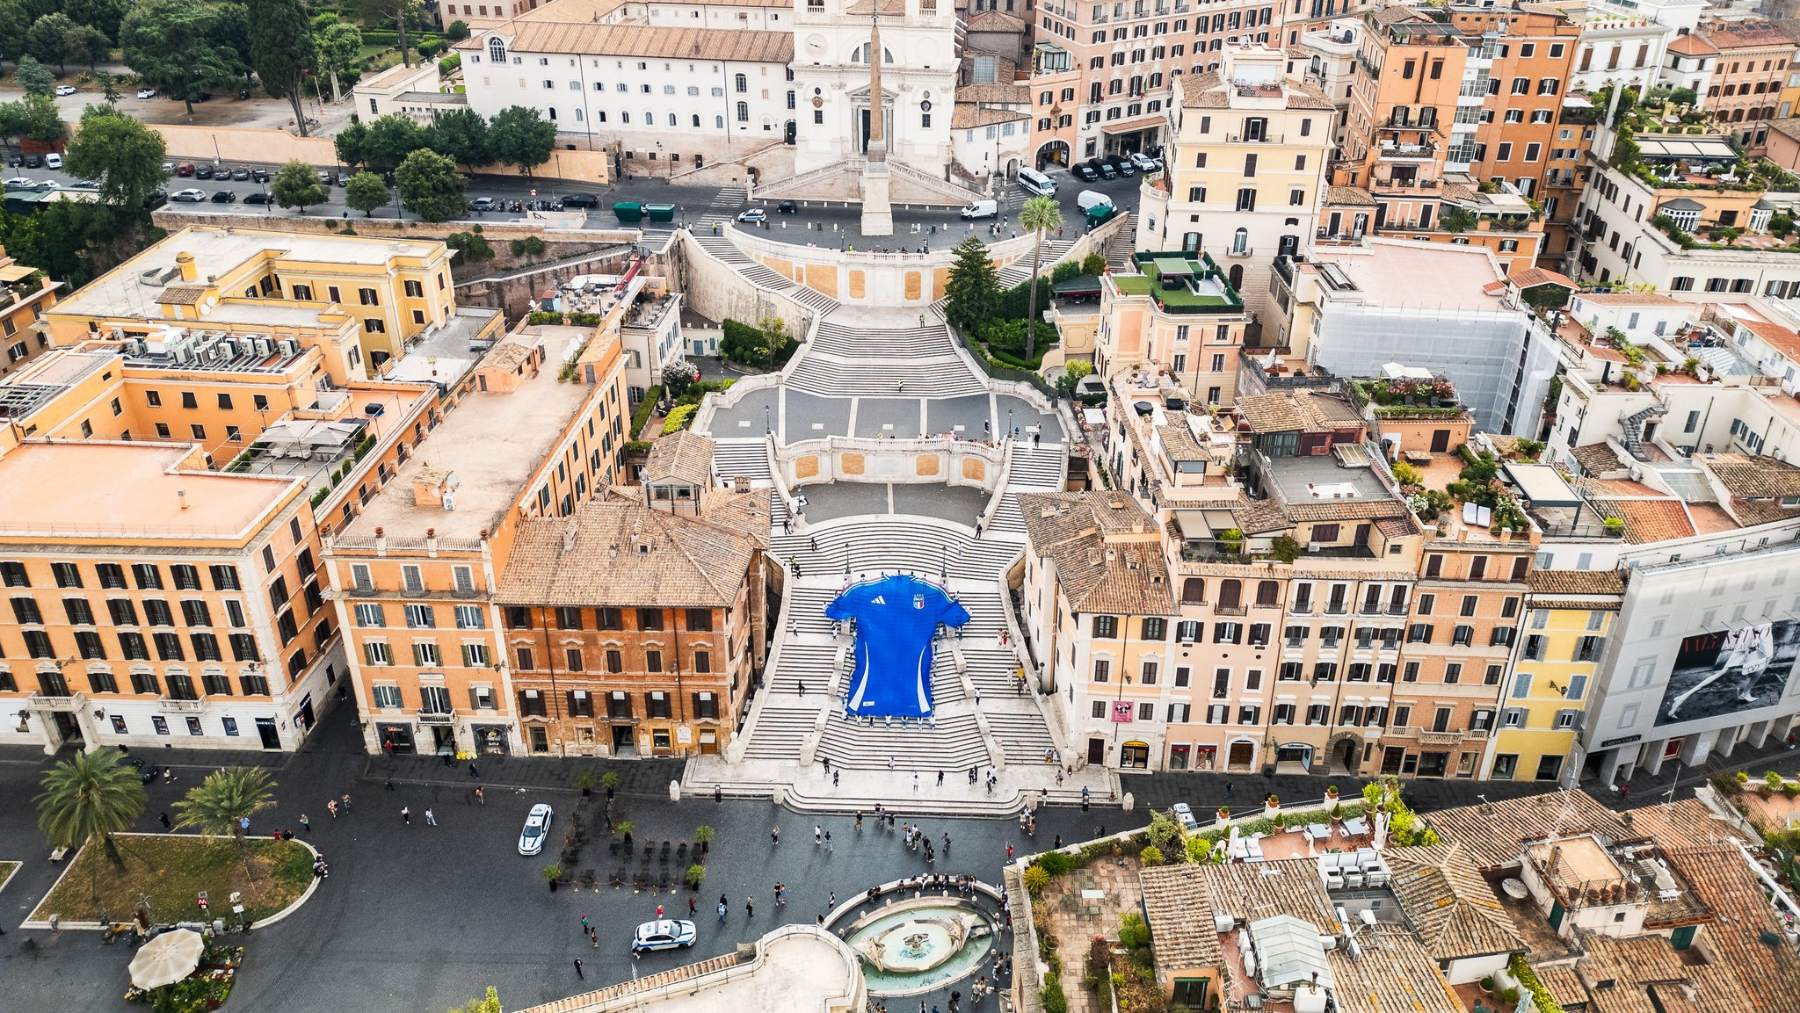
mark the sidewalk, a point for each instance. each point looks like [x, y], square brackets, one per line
[636, 777]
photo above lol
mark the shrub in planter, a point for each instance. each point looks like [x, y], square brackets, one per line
[1036, 879]
[1743, 777]
[585, 780]
[1773, 780]
[696, 874]
[552, 873]
[1151, 855]
[1487, 983]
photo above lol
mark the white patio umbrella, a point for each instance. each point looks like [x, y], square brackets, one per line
[167, 959]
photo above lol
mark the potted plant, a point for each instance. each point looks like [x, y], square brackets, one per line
[696, 874]
[610, 781]
[622, 831]
[1331, 793]
[585, 780]
[1271, 806]
[703, 836]
[1224, 813]
[552, 873]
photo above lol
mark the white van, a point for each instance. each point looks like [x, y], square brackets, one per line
[1037, 182]
[1088, 200]
[980, 209]
[53, 161]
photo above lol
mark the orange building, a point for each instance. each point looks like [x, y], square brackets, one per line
[24, 295]
[1401, 110]
[1529, 50]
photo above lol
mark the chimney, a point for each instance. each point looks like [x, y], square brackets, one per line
[381, 541]
[569, 537]
[185, 261]
[431, 542]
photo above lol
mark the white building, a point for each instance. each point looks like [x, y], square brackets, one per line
[1442, 307]
[666, 89]
[1688, 62]
[990, 129]
[1618, 47]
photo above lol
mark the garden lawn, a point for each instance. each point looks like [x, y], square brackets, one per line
[6, 872]
[171, 870]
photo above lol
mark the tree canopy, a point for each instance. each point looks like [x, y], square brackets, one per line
[33, 76]
[119, 151]
[519, 135]
[185, 47]
[89, 797]
[973, 288]
[365, 192]
[281, 51]
[296, 185]
[430, 186]
[463, 135]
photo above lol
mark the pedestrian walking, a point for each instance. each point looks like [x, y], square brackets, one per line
[472, 771]
[721, 912]
[480, 796]
[915, 782]
[430, 818]
[940, 783]
[818, 835]
[775, 835]
[346, 801]
[890, 764]
[594, 937]
[659, 910]
[834, 779]
[693, 905]
[749, 908]
[946, 844]
[406, 815]
[578, 973]
[331, 807]
[387, 784]
[584, 924]
[165, 820]
[827, 840]
[1009, 852]
[803, 693]
[305, 824]
[827, 759]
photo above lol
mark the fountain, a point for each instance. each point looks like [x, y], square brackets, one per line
[921, 944]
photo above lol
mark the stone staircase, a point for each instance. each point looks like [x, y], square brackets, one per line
[723, 248]
[955, 743]
[829, 377]
[1023, 736]
[871, 545]
[780, 732]
[721, 209]
[746, 458]
[1040, 467]
[1120, 246]
[905, 343]
[1019, 271]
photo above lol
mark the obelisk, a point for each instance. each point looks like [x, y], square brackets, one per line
[877, 210]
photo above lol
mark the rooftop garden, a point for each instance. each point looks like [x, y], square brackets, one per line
[1406, 398]
[1202, 290]
[1725, 237]
[1478, 483]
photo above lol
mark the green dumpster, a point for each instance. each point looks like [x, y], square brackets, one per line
[1100, 214]
[629, 212]
[660, 212]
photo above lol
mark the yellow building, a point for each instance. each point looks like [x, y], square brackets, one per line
[24, 296]
[1568, 615]
[1178, 315]
[1245, 174]
[361, 300]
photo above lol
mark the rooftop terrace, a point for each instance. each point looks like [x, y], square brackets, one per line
[1179, 282]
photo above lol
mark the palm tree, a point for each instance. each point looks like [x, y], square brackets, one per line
[224, 802]
[1039, 215]
[88, 798]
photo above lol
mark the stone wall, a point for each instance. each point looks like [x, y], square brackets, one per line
[265, 145]
[716, 290]
[924, 461]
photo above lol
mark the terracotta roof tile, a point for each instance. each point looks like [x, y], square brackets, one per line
[1451, 907]
[1394, 974]
[994, 21]
[1750, 477]
[1647, 520]
[1496, 832]
[645, 41]
[1688, 44]
[685, 456]
[1597, 458]
[1349, 196]
[1107, 551]
[999, 94]
[1281, 411]
[1575, 582]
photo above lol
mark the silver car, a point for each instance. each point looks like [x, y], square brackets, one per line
[537, 827]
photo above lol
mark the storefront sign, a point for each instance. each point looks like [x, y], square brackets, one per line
[1621, 741]
[1121, 712]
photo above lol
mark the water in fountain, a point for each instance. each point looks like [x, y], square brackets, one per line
[921, 948]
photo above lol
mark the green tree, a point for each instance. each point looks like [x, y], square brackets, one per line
[1073, 373]
[1038, 216]
[519, 135]
[391, 138]
[87, 44]
[338, 44]
[224, 802]
[48, 39]
[489, 1003]
[457, 30]
[677, 377]
[400, 12]
[14, 23]
[973, 288]
[109, 86]
[33, 76]
[353, 143]
[182, 47]
[281, 51]
[37, 118]
[463, 135]
[88, 798]
[365, 192]
[104, 15]
[121, 152]
[296, 185]
[430, 186]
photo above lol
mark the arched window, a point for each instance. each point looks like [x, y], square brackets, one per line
[696, 120]
[1240, 241]
[741, 84]
[1268, 592]
[496, 50]
[551, 113]
[743, 112]
[1193, 591]
[718, 123]
[1237, 277]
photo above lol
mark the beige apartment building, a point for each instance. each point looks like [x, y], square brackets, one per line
[1101, 72]
[1744, 93]
[1244, 170]
[1178, 315]
[415, 574]
[24, 295]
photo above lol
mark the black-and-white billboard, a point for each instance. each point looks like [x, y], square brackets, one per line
[1743, 668]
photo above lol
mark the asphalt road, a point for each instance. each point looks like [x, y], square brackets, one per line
[817, 224]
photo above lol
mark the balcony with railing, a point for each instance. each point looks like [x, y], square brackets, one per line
[57, 701]
[436, 717]
[1416, 152]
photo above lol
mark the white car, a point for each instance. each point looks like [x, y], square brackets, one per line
[1184, 815]
[537, 828]
[754, 216]
[146, 93]
[1144, 162]
[191, 195]
[666, 934]
[53, 161]
[65, 89]
[21, 183]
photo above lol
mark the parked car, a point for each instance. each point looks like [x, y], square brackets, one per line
[146, 772]
[184, 169]
[34, 161]
[663, 934]
[224, 197]
[156, 200]
[755, 216]
[1121, 165]
[261, 175]
[580, 200]
[191, 195]
[1106, 170]
[787, 207]
[146, 93]
[21, 183]
[537, 829]
[205, 172]
[1144, 162]
[482, 204]
[258, 198]
[64, 89]
[1185, 816]
[53, 161]
[980, 209]
[241, 173]
[1084, 172]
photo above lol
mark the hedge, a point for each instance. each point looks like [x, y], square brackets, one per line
[640, 415]
[679, 417]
